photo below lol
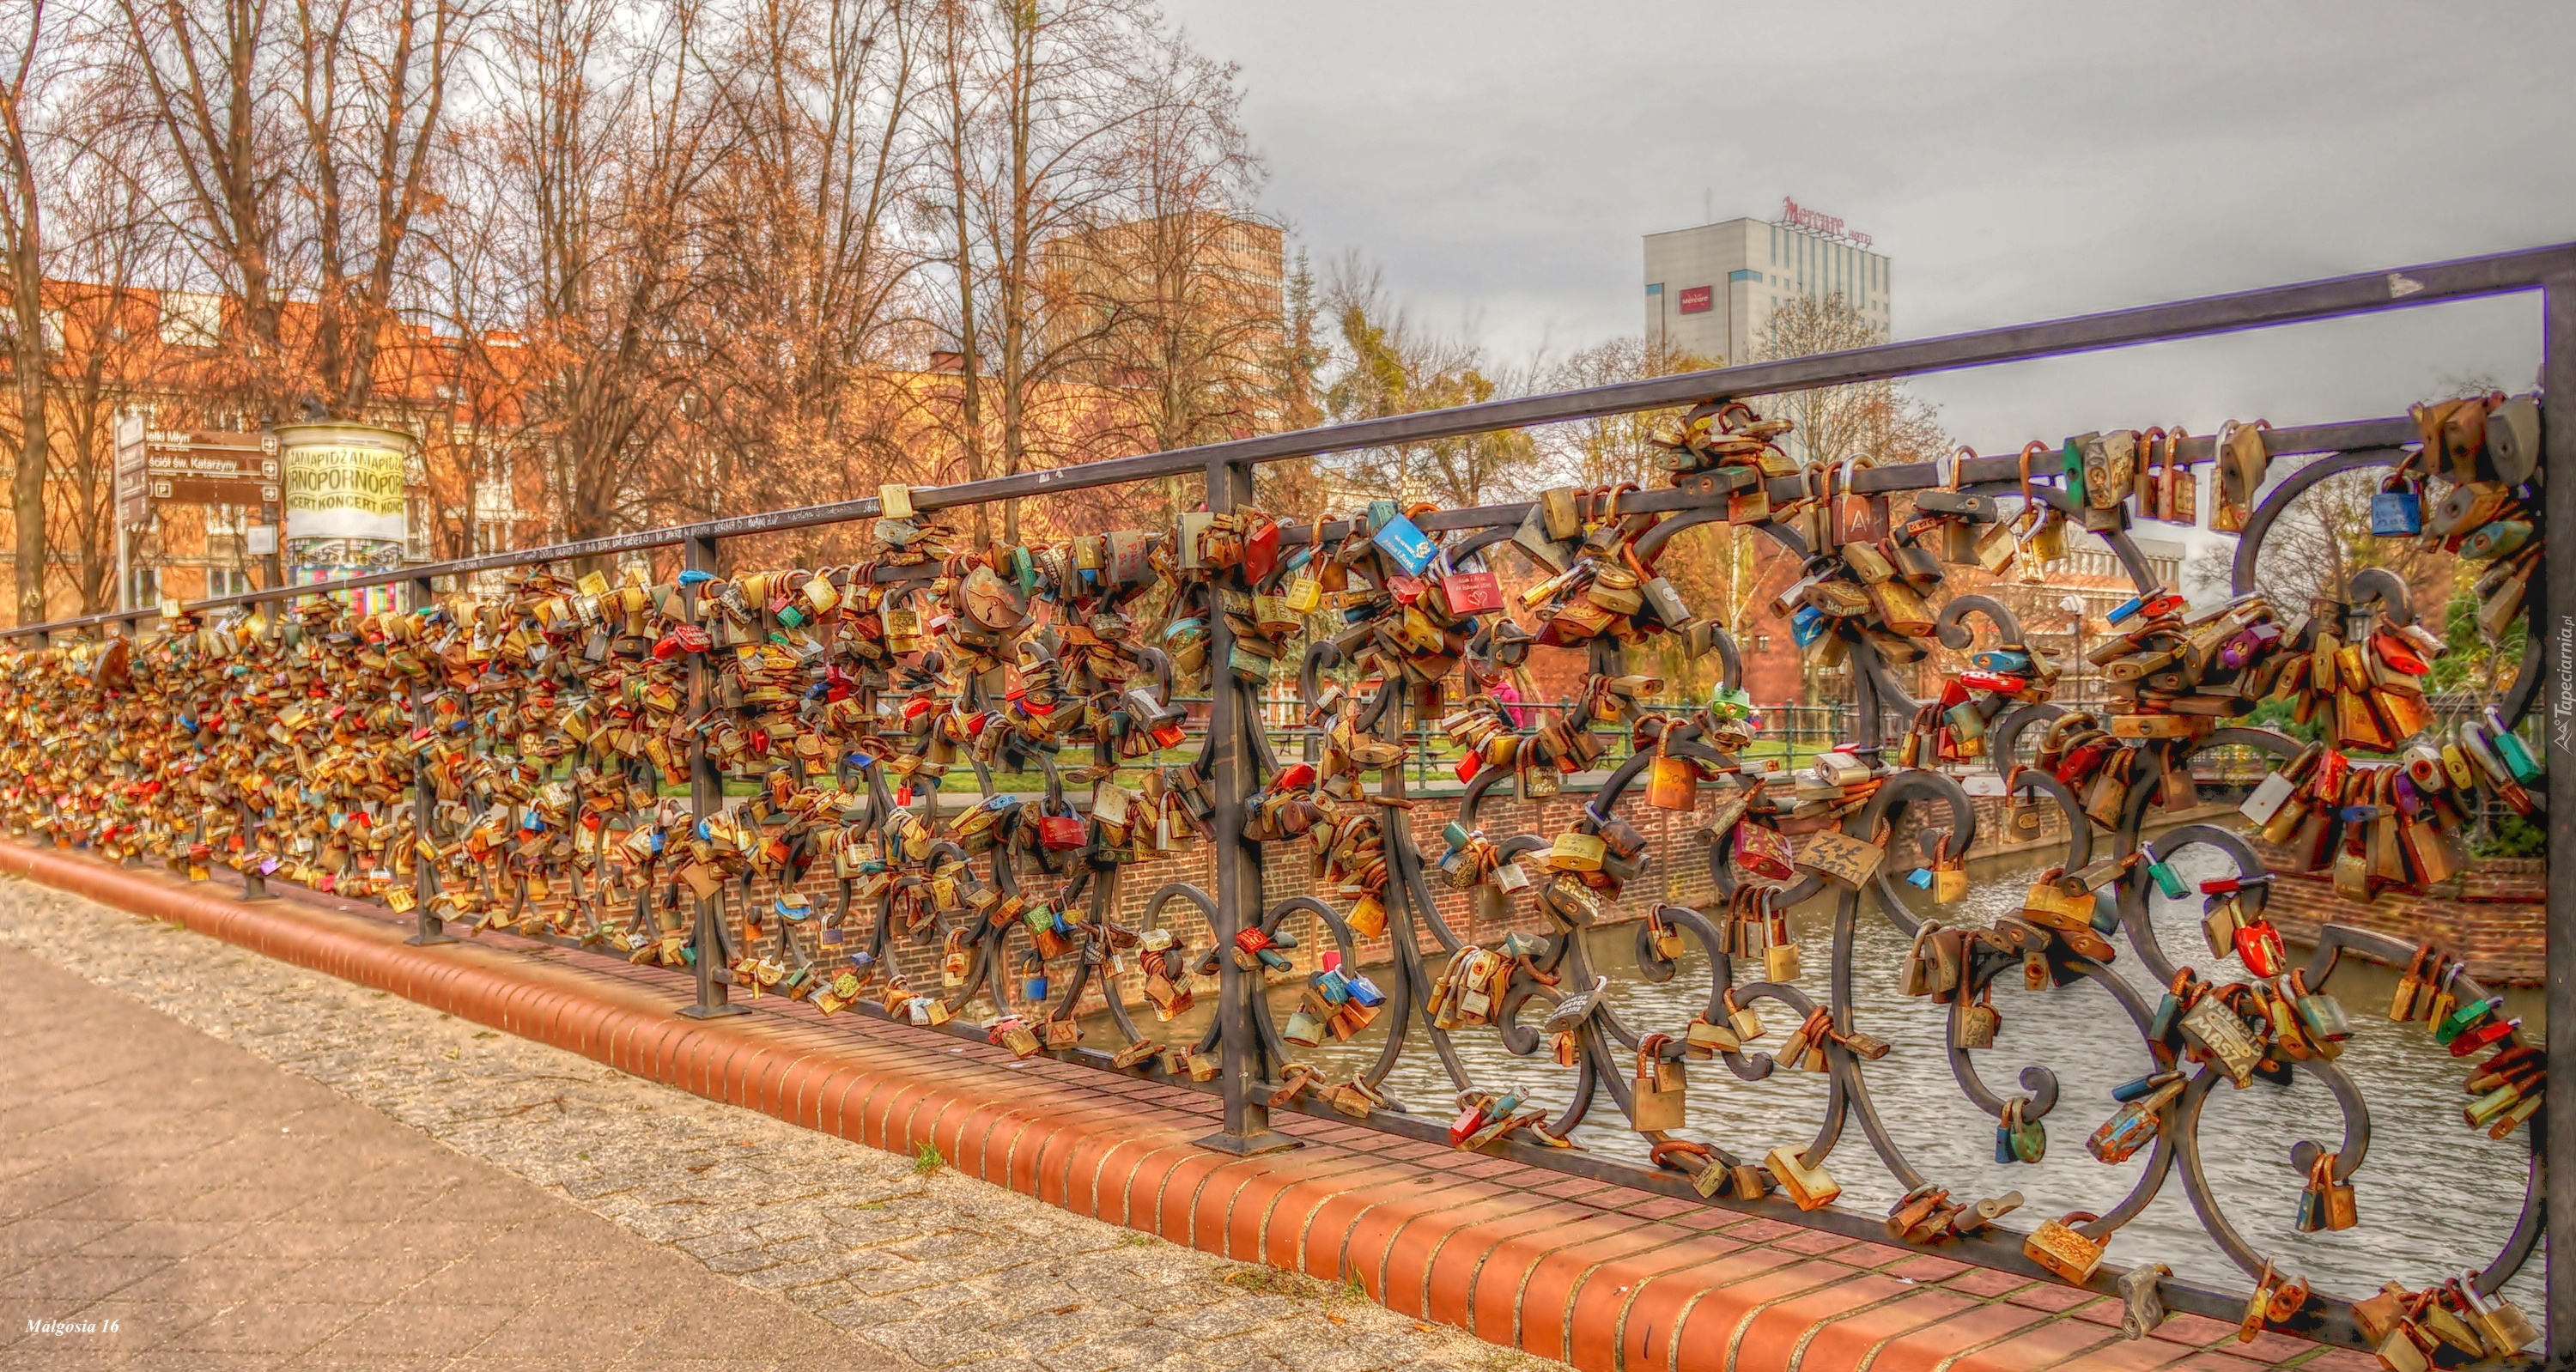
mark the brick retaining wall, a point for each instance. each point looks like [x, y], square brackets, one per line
[2496, 914]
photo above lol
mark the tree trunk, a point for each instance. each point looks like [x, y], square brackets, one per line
[970, 420]
[26, 302]
[27, 483]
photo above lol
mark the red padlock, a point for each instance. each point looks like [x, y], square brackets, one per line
[1471, 593]
[2259, 946]
[2492, 1032]
[1471, 1117]
[1261, 550]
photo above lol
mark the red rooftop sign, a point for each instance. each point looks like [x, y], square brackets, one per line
[1798, 216]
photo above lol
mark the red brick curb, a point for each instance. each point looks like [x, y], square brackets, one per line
[1602, 1276]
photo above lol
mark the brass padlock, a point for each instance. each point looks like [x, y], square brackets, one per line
[1659, 1089]
[1810, 1187]
[2064, 1250]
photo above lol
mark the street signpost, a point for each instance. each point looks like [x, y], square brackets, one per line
[214, 468]
[133, 500]
[165, 466]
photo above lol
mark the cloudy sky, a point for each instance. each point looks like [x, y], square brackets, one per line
[2018, 162]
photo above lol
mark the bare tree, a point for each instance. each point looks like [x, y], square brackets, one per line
[1875, 421]
[1186, 294]
[806, 271]
[207, 77]
[955, 126]
[22, 245]
[1066, 85]
[371, 89]
[1614, 448]
[305, 148]
[671, 243]
[605, 145]
[2323, 538]
[108, 241]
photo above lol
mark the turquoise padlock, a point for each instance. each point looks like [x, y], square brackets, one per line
[2168, 880]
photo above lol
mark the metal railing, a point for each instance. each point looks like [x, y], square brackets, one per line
[1241, 1054]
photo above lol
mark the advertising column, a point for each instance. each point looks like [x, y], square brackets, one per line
[344, 499]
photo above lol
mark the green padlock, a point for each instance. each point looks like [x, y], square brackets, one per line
[2510, 747]
[2019, 1138]
[2168, 880]
[2467, 1016]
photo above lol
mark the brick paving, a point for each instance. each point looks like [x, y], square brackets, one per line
[477, 1204]
[168, 1200]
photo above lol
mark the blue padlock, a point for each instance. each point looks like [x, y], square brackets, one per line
[1401, 539]
[2397, 511]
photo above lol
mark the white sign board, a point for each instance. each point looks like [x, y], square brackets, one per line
[133, 490]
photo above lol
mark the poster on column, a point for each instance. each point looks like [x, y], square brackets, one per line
[344, 495]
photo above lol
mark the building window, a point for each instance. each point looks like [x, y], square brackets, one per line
[1654, 288]
[1740, 274]
[1761, 643]
[222, 581]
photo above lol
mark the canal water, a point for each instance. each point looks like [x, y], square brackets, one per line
[2434, 1195]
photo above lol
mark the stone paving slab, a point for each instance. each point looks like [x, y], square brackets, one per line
[1612, 1277]
[855, 1248]
[176, 1201]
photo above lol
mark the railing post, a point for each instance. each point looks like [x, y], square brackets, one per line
[1237, 863]
[53, 835]
[129, 629]
[428, 928]
[706, 796]
[2557, 638]
[255, 881]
